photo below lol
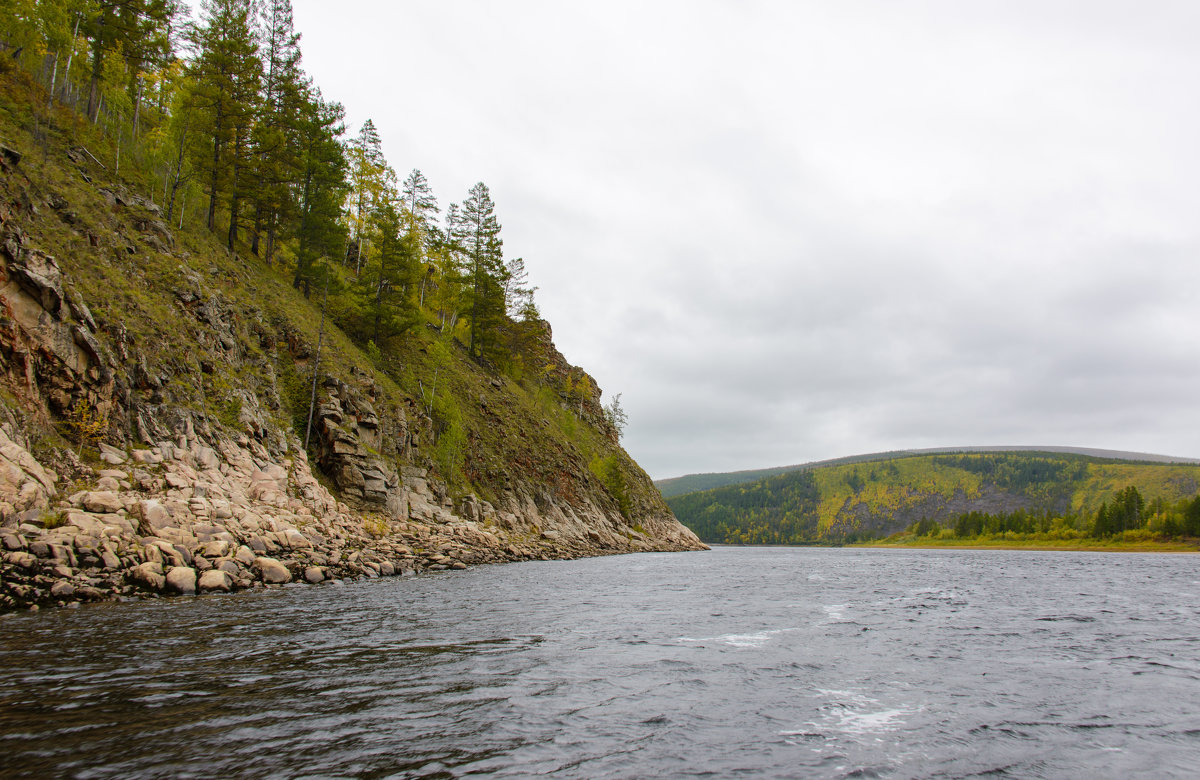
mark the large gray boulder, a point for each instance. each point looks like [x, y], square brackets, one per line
[215, 579]
[182, 579]
[271, 571]
[149, 574]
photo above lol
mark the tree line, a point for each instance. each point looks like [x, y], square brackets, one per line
[220, 110]
[1126, 515]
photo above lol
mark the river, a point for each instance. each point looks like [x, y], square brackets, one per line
[740, 662]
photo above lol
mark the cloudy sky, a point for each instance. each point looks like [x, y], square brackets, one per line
[788, 231]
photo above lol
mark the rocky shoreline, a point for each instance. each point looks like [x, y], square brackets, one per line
[147, 448]
[193, 516]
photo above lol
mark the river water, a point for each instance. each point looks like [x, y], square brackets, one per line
[740, 662]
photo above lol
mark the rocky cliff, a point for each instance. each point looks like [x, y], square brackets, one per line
[154, 399]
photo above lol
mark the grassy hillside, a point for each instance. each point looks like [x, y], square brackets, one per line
[188, 324]
[693, 483]
[857, 501]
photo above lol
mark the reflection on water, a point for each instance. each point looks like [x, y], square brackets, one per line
[765, 662]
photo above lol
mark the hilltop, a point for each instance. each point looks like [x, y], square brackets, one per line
[982, 491]
[692, 483]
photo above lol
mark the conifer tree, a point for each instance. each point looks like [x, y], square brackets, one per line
[368, 169]
[422, 206]
[518, 295]
[386, 282]
[277, 163]
[483, 248]
[322, 188]
[226, 73]
[444, 279]
[134, 28]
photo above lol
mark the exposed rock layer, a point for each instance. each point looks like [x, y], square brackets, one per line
[182, 503]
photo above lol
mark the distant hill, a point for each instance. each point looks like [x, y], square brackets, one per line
[691, 483]
[872, 496]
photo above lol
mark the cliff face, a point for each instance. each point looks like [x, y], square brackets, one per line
[154, 395]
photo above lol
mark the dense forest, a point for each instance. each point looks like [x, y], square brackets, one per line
[237, 137]
[1127, 515]
[1053, 496]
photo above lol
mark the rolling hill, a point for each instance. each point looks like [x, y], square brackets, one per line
[873, 496]
[691, 483]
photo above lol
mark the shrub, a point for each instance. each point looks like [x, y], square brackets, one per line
[608, 471]
[86, 424]
[375, 525]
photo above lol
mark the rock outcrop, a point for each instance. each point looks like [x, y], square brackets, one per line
[192, 515]
[158, 454]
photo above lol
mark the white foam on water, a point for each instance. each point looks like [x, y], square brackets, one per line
[852, 712]
[834, 612]
[870, 722]
[740, 640]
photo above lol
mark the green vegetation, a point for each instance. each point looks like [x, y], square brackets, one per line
[211, 212]
[1126, 520]
[693, 483]
[989, 497]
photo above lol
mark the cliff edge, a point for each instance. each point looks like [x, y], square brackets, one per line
[156, 391]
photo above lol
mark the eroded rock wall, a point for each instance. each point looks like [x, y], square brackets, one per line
[184, 503]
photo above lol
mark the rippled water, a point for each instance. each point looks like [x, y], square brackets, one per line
[738, 662]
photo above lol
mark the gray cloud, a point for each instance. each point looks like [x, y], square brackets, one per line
[791, 231]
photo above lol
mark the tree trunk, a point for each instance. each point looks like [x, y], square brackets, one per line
[93, 106]
[211, 221]
[312, 403]
[254, 234]
[234, 204]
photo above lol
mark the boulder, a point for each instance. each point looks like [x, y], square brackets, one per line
[21, 559]
[102, 502]
[149, 575]
[215, 579]
[217, 548]
[271, 571]
[154, 516]
[296, 540]
[112, 455]
[24, 484]
[182, 579]
[314, 574]
[62, 589]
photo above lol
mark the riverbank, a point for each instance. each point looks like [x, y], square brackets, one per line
[1077, 545]
[198, 515]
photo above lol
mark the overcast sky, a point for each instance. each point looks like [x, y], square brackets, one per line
[788, 231]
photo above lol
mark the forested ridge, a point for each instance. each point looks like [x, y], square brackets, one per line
[239, 263]
[220, 118]
[1051, 496]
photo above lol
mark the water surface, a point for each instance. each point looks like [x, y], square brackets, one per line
[756, 662]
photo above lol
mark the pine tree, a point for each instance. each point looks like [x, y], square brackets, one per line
[323, 187]
[277, 163]
[137, 29]
[444, 279]
[483, 247]
[226, 73]
[518, 295]
[421, 206]
[368, 169]
[386, 282]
